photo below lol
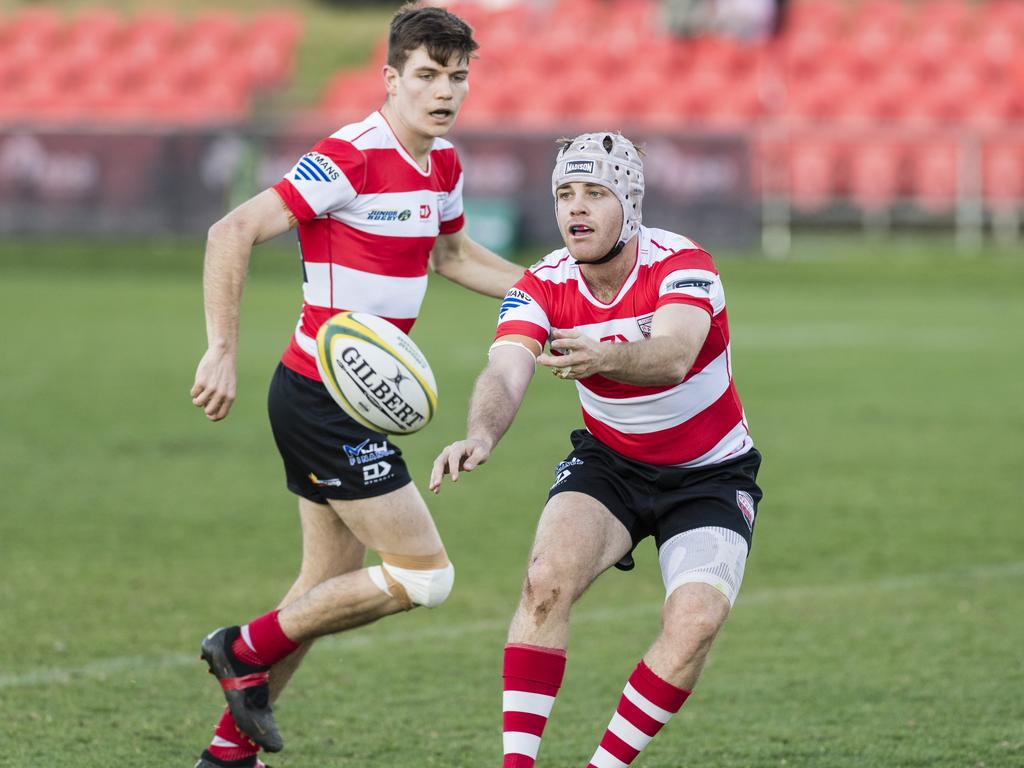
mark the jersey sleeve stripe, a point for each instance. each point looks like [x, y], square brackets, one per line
[522, 328]
[296, 202]
[453, 225]
[681, 298]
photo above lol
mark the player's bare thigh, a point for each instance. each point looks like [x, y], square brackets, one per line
[397, 522]
[329, 547]
[577, 539]
[582, 535]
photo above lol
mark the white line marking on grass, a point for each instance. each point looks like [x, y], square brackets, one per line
[103, 669]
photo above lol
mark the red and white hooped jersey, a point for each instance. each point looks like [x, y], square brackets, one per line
[697, 422]
[368, 218]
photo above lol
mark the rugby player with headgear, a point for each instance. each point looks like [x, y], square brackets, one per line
[375, 204]
[635, 317]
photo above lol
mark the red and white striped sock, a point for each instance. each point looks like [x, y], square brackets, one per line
[263, 642]
[229, 743]
[647, 703]
[533, 676]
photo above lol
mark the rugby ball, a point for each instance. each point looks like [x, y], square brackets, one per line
[376, 373]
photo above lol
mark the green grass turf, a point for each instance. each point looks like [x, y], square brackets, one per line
[879, 623]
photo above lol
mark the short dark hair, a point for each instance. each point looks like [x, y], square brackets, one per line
[443, 33]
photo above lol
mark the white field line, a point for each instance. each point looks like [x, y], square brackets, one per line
[101, 670]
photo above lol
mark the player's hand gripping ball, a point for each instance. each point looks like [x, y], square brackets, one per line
[376, 373]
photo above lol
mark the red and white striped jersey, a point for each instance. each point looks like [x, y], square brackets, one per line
[697, 422]
[368, 218]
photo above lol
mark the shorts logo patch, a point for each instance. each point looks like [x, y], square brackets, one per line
[746, 504]
[375, 473]
[366, 452]
[330, 482]
[563, 470]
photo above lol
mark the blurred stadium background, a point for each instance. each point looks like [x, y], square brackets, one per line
[856, 165]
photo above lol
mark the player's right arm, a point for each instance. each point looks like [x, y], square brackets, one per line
[498, 393]
[229, 245]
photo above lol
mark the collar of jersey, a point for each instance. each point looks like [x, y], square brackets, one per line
[642, 247]
[383, 124]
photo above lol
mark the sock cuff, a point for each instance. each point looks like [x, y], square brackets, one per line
[534, 663]
[658, 691]
[269, 639]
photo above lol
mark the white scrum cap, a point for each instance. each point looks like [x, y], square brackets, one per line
[611, 160]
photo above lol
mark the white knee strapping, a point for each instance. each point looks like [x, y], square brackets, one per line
[428, 588]
[713, 556]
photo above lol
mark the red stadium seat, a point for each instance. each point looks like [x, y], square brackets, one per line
[1003, 173]
[934, 174]
[955, 16]
[813, 173]
[828, 16]
[1008, 14]
[875, 173]
[818, 100]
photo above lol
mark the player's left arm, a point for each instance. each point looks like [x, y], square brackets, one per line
[678, 332]
[457, 257]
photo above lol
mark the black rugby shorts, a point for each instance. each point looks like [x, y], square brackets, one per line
[326, 453]
[662, 501]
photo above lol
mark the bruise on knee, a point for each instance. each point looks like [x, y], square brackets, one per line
[542, 610]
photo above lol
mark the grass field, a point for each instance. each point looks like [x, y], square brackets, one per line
[880, 622]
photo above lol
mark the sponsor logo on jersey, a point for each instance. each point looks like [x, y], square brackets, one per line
[425, 212]
[378, 215]
[331, 482]
[645, 325]
[514, 299]
[316, 167]
[367, 451]
[578, 166]
[375, 473]
[676, 285]
[746, 504]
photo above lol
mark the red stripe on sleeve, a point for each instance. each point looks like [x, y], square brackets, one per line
[349, 160]
[453, 225]
[679, 298]
[296, 203]
[522, 328]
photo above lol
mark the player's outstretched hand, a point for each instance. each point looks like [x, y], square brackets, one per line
[580, 356]
[461, 455]
[216, 381]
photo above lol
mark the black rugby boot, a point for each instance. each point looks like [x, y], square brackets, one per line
[245, 688]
